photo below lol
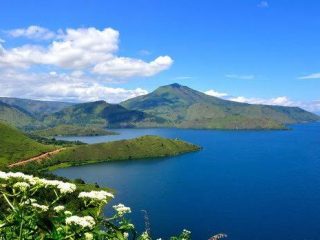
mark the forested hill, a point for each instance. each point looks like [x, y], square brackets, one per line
[182, 106]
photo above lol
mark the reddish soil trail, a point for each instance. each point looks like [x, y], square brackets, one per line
[37, 158]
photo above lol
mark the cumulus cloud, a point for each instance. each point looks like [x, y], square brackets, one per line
[83, 49]
[214, 93]
[241, 77]
[129, 67]
[282, 101]
[33, 32]
[74, 87]
[311, 76]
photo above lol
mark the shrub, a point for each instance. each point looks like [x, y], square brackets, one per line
[33, 209]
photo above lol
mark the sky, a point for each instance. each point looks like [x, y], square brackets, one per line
[85, 50]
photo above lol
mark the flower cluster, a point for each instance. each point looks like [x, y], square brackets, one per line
[63, 187]
[84, 222]
[32, 205]
[59, 208]
[122, 209]
[96, 195]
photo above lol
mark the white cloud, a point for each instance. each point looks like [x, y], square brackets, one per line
[312, 106]
[282, 101]
[84, 49]
[129, 67]
[215, 93]
[241, 77]
[75, 87]
[311, 76]
[263, 4]
[33, 32]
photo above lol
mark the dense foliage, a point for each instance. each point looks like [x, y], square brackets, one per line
[34, 209]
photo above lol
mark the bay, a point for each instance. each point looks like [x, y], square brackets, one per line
[247, 184]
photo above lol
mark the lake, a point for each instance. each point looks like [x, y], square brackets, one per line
[248, 184]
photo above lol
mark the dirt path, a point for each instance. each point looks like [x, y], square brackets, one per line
[37, 158]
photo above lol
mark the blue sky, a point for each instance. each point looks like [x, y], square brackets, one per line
[253, 51]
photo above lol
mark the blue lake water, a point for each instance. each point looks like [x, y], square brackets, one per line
[249, 184]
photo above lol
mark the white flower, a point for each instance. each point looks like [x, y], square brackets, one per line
[68, 213]
[84, 222]
[3, 175]
[88, 236]
[19, 175]
[67, 187]
[62, 186]
[122, 209]
[96, 195]
[22, 186]
[59, 208]
[126, 235]
[42, 208]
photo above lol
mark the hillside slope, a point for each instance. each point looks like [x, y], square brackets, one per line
[137, 148]
[99, 113]
[15, 116]
[184, 107]
[15, 146]
[34, 107]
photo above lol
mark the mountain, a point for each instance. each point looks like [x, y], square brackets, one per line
[34, 107]
[15, 146]
[184, 107]
[16, 116]
[101, 113]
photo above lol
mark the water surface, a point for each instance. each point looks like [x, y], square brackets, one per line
[249, 184]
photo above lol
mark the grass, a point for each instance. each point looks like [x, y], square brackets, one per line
[73, 130]
[16, 146]
[138, 148]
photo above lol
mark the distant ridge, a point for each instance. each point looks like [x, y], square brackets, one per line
[36, 108]
[102, 114]
[184, 107]
[172, 105]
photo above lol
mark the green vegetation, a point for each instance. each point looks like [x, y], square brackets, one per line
[53, 141]
[39, 208]
[100, 114]
[138, 148]
[184, 107]
[36, 108]
[16, 117]
[168, 106]
[16, 146]
[72, 130]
